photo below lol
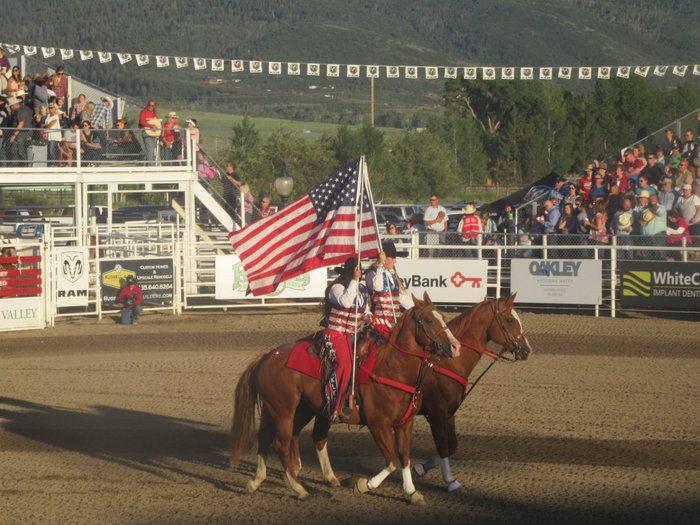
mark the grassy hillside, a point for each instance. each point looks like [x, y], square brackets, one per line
[413, 32]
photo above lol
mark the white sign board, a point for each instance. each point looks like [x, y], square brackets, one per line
[557, 281]
[445, 280]
[72, 280]
[21, 313]
[232, 282]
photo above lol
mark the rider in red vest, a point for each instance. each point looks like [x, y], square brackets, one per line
[389, 294]
[345, 306]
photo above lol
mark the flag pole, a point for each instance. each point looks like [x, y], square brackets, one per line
[358, 248]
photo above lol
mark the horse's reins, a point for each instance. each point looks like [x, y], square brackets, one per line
[424, 365]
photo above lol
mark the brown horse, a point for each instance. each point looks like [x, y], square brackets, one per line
[290, 399]
[445, 387]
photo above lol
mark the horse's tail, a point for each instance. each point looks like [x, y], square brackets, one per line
[244, 411]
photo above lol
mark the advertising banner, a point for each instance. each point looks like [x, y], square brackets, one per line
[660, 284]
[72, 280]
[232, 282]
[445, 280]
[557, 281]
[21, 313]
[154, 276]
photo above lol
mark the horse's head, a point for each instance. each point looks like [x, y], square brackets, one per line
[432, 331]
[506, 329]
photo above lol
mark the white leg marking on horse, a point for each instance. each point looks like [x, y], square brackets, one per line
[377, 480]
[408, 486]
[446, 470]
[260, 474]
[296, 487]
[326, 468]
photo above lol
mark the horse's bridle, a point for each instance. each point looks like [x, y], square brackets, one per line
[514, 345]
[421, 325]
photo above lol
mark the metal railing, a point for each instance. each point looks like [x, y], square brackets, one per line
[83, 147]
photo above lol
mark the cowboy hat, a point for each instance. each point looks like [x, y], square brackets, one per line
[348, 267]
[648, 216]
[13, 100]
[644, 194]
[389, 249]
[172, 114]
[469, 209]
[624, 220]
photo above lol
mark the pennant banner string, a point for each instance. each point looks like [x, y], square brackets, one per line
[468, 72]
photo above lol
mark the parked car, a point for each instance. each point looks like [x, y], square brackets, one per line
[141, 213]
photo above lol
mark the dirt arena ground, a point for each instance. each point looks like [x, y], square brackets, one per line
[101, 423]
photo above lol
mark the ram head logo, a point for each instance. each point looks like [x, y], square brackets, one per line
[72, 266]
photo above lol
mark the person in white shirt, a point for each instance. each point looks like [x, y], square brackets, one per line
[435, 219]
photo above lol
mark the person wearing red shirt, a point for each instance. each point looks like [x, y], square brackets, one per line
[131, 299]
[470, 225]
[585, 183]
[171, 138]
[151, 125]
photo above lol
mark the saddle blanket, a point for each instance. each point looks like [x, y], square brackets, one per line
[303, 360]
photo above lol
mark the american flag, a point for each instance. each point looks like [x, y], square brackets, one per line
[317, 230]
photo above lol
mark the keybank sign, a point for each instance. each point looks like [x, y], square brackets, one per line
[445, 280]
[557, 281]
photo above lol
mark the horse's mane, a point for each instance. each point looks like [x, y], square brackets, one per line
[462, 323]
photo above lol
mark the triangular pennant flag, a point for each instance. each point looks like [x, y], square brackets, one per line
[237, 66]
[526, 73]
[696, 69]
[489, 73]
[604, 72]
[104, 56]
[679, 70]
[411, 72]
[85, 55]
[293, 68]
[162, 61]
[124, 58]
[181, 62]
[392, 72]
[584, 73]
[274, 68]
[372, 72]
[142, 60]
[431, 73]
[217, 64]
[255, 66]
[642, 71]
[48, 52]
[66, 54]
[545, 73]
[469, 73]
[332, 70]
[314, 70]
[353, 71]
[623, 72]
[508, 73]
[564, 72]
[200, 63]
[30, 50]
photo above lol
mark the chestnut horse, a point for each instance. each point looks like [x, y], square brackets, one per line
[290, 399]
[445, 387]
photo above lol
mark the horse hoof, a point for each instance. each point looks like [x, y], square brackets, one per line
[417, 499]
[302, 496]
[361, 486]
[251, 486]
[419, 469]
[333, 482]
[453, 486]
